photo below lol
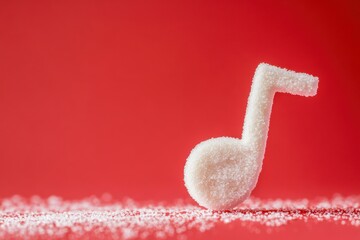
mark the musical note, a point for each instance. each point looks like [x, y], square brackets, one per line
[221, 172]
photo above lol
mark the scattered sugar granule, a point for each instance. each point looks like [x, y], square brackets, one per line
[100, 218]
[221, 172]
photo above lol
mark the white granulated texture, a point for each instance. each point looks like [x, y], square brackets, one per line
[54, 218]
[220, 173]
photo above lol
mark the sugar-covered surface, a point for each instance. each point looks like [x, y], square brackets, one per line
[54, 218]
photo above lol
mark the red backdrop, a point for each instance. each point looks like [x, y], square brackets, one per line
[111, 96]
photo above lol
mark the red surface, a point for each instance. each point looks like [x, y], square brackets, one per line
[111, 96]
[102, 218]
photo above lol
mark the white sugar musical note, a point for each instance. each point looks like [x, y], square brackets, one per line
[221, 172]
